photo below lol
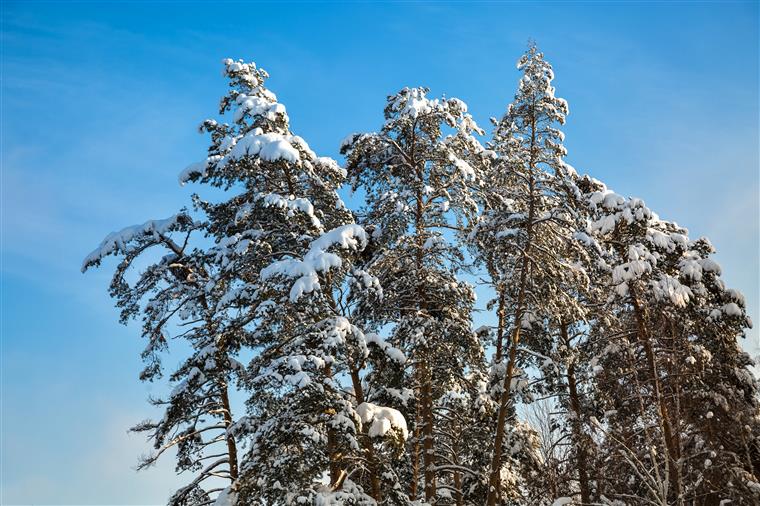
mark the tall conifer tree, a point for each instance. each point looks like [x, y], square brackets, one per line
[417, 173]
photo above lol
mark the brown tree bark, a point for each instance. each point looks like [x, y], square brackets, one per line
[575, 405]
[668, 436]
[425, 402]
[428, 448]
[374, 477]
[415, 458]
[230, 440]
[494, 483]
[501, 314]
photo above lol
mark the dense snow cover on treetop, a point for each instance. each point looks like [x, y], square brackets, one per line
[610, 375]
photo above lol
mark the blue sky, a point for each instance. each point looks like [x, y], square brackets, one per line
[100, 104]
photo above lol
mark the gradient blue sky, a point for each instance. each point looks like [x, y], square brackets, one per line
[99, 108]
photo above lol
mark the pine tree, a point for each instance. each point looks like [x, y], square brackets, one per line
[364, 383]
[564, 351]
[291, 243]
[416, 173]
[181, 292]
[522, 236]
[667, 308]
[376, 374]
[719, 396]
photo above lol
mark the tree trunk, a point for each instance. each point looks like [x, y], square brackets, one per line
[366, 442]
[425, 403]
[224, 395]
[336, 474]
[415, 458]
[428, 449]
[501, 314]
[583, 480]
[231, 446]
[458, 486]
[494, 483]
[673, 470]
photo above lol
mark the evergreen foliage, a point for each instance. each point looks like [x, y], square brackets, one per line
[329, 355]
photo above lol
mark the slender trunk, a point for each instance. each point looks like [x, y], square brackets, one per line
[231, 446]
[224, 397]
[428, 449]
[458, 485]
[415, 458]
[662, 408]
[336, 474]
[374, 472]
[494, 483]
[583, 480]
[501, 314]
[425, 402]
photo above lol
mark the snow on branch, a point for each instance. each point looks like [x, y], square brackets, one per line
[270, 147]
[317, 260]
[290, 204]
[131, 238]
[382, 419]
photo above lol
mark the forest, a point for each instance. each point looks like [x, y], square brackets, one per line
[329, 353]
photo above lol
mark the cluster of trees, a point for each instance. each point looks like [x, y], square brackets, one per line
[611, 374]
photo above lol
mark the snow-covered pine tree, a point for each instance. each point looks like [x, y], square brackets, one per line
[382, 383]
[181, 292]
[668, 311]
[526, 234]
[719, 395]
[564, 349]
[291, 242]
[627, 226]
[352, 332]
[416, 173]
